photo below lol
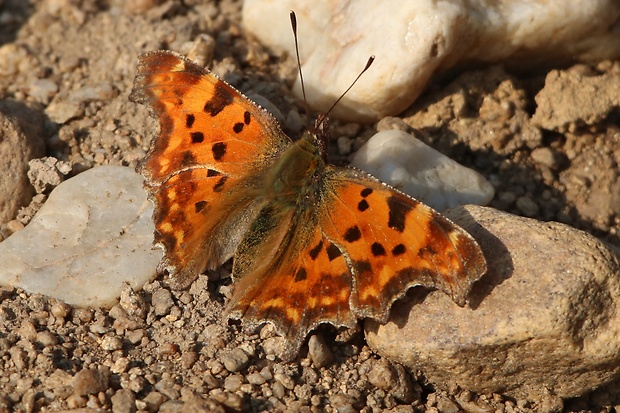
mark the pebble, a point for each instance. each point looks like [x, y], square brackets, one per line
[318, 351]
[560, 102]
[419, 38]
[406, 163]
[111, 343]
[123, 401]
[527, 206]
[233, 382]
[235, 360]
[92, 238]
[90, 381]
[162, 301]
[42, 90]
[549, 286]
[47, 173]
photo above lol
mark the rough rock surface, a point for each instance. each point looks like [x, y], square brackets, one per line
[544, 319]
[417, 38]
[20, 141]
[90, 240]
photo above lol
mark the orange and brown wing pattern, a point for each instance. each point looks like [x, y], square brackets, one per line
[289, 274]
[394, 242]
[211, 139]
[203, 121]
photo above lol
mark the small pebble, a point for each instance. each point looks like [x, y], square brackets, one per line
[111, 343]
[527, 206]
[235, 360]
[89, 381]
[319, 352]
[162, 301]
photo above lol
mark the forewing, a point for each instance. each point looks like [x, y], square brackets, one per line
[205, 162]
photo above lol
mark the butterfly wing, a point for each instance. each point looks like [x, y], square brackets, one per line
[288, 273]
[393, 242]
[206, 162]
[349, 254]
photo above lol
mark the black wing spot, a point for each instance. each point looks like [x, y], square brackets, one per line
[377, 249]
[219, 186]
[301, 274]
[188, 159]
[189, 120]
[197, 137]
[219, 150]
[365, 192]
[398, 213]
[362, 267]
[353, 234]
[426, 250]
[363, 205]
[221, 98]
[399, 250]
[314, 252]
[247, 117]
[238, 128]
[333, 252]
[200, 205]
[213, 172]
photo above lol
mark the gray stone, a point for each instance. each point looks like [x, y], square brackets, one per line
[90, 240]
[543, 319]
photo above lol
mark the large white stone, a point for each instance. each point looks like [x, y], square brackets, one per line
[90, 240]
[409, 165]
[414, 39]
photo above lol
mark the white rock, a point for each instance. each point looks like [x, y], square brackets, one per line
[542, 320]
[89, 241]
[399, 159]
[414, 39]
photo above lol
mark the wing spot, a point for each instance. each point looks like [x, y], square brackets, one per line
[377, 249]
[365, 192]
[219, 150]
[197, 137]
[333, 252]
[314, 252]
[212, 172]
[363, 205]
[238, 128]
[301, 274]
[353, 234]
[200, 205]
[188, 159]
[362, 267]
[189, 120]
[247, 118]
[398, 213]
[221, 98]
[219, 186]
[426, 250]
[399, 250]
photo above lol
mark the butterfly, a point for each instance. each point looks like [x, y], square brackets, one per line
[312, 243]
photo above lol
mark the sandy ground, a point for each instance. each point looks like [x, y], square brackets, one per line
[74, 62]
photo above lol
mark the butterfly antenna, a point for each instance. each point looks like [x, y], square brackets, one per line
[371, 59]
[301, 75]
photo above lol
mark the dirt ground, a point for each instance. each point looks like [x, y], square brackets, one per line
[73, 61]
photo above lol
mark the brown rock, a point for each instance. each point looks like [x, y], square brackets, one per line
[543, 317]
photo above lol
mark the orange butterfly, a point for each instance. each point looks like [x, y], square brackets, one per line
[312, 243]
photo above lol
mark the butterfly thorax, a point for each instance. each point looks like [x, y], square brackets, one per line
[295, 175]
